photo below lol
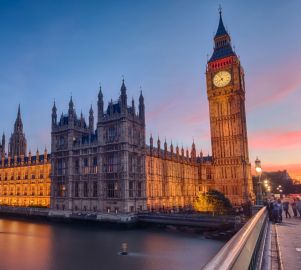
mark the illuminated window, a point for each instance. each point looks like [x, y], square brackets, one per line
[94, 168]
[61, 190]
[86, 165]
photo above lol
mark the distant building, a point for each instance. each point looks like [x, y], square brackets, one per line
[24, 180]
[275, 179]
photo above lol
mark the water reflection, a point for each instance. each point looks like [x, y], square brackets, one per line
[24, 245]
[36, 246]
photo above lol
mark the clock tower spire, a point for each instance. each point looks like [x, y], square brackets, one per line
[226, 96]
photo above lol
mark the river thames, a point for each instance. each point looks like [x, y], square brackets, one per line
[26, 245]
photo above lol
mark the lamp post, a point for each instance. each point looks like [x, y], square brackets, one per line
[267, 188]
[259, 189]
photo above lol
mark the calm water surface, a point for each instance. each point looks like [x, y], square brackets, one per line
[26, 245]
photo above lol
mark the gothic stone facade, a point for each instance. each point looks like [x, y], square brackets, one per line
[174, 179]
[99, 170]
[24, 180]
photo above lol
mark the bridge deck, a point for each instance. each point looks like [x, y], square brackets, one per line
[289, 240]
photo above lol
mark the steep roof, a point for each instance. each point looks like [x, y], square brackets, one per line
[222, 42]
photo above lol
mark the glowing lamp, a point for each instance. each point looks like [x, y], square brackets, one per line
[258, 169]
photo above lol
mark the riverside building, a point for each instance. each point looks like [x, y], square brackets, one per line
[24, 179]
[104, 165]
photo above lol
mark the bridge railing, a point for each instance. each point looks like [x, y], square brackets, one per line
[244, 249]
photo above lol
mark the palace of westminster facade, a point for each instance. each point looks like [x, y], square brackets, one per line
[108, 167]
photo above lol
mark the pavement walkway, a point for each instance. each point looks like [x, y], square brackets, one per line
[289, 243]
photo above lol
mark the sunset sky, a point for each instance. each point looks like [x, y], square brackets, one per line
[50, 49]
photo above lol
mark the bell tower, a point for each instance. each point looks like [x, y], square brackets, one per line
[226, 96]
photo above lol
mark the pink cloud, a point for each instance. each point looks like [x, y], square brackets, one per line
[272, 139]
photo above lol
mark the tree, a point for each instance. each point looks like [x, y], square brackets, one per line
[212, 201]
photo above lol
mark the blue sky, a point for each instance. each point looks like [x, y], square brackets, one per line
[50, 49]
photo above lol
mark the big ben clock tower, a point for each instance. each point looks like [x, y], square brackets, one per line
[226, 95]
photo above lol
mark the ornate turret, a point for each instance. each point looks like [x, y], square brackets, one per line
[193, 152]
[177, 151]
[91, 119]
[22, 160]
[151, 143]
[37, 156]
[2, 148]
[17, 142]
[133, 106]
[45, 155]
[18, 122]
[171, 148]
[54, 115]
[100, 104]
[71, 107]
[71, 114]
[182, 152]
[9, 158]
[123, 97]
[29, 157]
[141, 108]
[158, 145]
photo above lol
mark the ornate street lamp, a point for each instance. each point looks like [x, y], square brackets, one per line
[259, 189]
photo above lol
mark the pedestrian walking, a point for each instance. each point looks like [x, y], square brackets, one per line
[271, 207]
[298, 204]
[280, 208]
[276, 208]
[285, 209]
[294, 207]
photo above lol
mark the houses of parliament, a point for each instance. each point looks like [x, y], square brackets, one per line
[105, 165]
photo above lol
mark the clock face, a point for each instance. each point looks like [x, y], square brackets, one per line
[221, 78]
